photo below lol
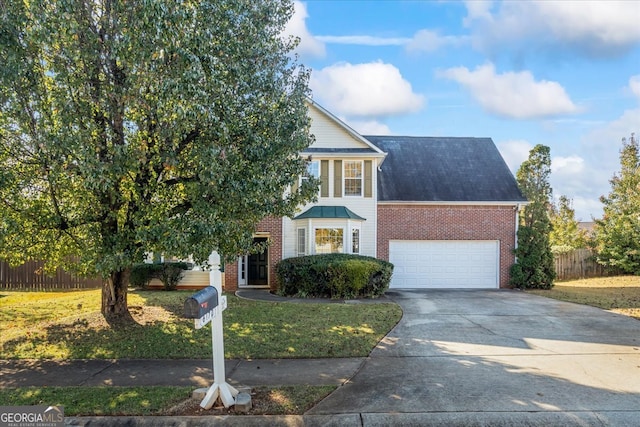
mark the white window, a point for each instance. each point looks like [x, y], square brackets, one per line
[353, 178]
[329, 240]
[302, 241]
[313, 170]
[355, 240]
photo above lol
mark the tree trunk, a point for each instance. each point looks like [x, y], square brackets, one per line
[114, 299]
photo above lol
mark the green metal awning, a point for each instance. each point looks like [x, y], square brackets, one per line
[329, 212]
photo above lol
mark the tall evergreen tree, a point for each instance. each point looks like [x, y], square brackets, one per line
[534, 266]
[127, 127]
[618, 232]
[565, 234]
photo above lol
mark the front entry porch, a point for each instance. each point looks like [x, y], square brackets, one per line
[253, 270]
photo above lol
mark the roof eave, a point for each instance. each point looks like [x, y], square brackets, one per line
[341, 155]
[456, 202]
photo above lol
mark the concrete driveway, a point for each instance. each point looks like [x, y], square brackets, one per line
[497, 358]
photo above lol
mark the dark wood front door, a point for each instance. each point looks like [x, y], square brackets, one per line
[258, 267]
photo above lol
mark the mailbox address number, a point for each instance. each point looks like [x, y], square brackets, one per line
[208, 317]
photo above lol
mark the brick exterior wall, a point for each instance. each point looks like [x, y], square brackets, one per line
[453, 222]
[273, 227]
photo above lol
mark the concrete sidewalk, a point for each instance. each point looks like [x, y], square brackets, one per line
[196, 373]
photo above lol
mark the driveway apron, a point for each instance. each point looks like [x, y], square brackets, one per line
[499, 351]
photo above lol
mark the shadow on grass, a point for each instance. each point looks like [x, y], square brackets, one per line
[78, 340]
[150, 331]
[252, 330]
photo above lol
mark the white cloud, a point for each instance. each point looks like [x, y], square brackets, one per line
[373, 89]
[514, 153]
[422, 41]
[587, 208]
[595, 28]
[365, 40]
[512, 94]
[586, 180]
[580, 179]
[368, 127]
[477, 10]
[309, 45]
[567, 166]
[634, 85]
[430, 41]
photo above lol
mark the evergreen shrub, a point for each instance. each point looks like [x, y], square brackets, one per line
[169, 273]
[342, 276]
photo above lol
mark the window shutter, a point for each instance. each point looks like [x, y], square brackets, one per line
[337, 178]
[368, 179]
[324, 178]
[294, 187]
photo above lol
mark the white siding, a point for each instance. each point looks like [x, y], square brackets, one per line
[366, 207]
[190, 279]
[329, 135]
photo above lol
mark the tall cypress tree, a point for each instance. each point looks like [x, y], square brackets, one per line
[618, 232]
[534, 266]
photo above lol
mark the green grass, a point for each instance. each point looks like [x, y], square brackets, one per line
[68, 325]
[620, 294]
[99, 400]
[141, 401]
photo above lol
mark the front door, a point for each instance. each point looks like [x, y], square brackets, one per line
[258, 266]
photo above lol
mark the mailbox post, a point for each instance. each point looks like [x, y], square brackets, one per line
[205, 306]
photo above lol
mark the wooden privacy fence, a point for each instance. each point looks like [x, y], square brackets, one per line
[578, 264]
[30, 276]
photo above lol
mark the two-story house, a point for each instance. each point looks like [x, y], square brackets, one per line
[442, 210]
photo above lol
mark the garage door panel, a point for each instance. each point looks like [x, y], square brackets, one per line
[444, 264]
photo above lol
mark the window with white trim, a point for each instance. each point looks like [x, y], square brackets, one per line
[313, 170]
[302, 241]
[355, 240]
[353, 177]
[329, 240]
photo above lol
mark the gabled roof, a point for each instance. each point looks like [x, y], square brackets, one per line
[329, 212]
[365, 146]
[441, 169]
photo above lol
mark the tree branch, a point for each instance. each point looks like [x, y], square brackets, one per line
[180, 180]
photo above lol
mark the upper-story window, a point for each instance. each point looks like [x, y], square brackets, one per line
[313, 170]
[353, 178]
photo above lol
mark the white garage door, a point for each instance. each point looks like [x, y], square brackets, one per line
[444, 264]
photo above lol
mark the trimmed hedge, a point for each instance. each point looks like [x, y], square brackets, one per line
[169, 273]
[333, 276]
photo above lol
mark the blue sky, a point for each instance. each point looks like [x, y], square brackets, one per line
[565, 74]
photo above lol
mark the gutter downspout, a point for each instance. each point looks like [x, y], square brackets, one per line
[515, 246]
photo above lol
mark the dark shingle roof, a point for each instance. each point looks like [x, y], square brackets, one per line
[420, 169]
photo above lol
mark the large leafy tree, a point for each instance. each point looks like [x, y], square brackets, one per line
[128, 127]
[565, 234]
[618, 232]
[534, 267]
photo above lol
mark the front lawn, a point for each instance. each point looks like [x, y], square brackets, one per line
[68, 325]
[620, 294]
